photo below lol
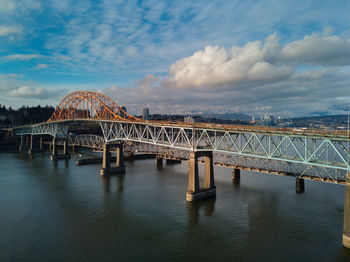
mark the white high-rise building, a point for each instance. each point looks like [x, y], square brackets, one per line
[145, 114]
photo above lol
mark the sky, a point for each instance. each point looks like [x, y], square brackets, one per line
[285, 58]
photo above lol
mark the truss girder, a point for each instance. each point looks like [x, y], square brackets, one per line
[276, 167]
[52, 129]
[321, 151]
[91, 141]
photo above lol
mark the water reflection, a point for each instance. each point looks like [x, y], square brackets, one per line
[106, 180]
[193, 209]
[236, 183]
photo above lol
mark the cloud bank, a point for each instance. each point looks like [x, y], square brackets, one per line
[9, 30]
[256, 62]
[301, 77]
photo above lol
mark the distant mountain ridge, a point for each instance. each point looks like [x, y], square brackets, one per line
[227, 116]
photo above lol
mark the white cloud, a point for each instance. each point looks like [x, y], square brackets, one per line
[9, 30]
[317, 50]
[29, 92]
[41, 66]
[258, 78]
[6, 5]
[22, 56]
[215, 66]
[21, 5]
[256, 62]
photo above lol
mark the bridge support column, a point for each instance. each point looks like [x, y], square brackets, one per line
[120, 167]
[53, 147]
[54, 151]
[106, 161]
[346, 228]
[22, 146]
[236, 176]
[194, 191]
[65, 148]
[31, 148]
[159, 162]
[27, 141]
[299, 185]
[41, 148]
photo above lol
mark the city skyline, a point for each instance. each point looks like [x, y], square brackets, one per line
[280, 58]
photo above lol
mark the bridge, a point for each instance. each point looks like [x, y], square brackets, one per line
[305, 154]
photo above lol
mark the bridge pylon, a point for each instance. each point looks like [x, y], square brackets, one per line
[106, 161]
[194, 191]
[54, 151]
[23, 143]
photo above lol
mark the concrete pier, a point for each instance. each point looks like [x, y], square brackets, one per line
[159, 162]
[236, 176]
[53, 147]
[41, 147]
[27, 140]
[106, 161]
[194, 191]
[54, 152]
[31, 145]
[22, 145]
[299, 185]
[346, 228]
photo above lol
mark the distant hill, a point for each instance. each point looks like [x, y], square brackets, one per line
[343, 107]
[333, 121]
[227, 116]
[325, 117]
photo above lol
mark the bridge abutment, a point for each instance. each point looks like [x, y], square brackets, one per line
[346, 228]
[106, 161]
[236, 176]
[194, 191]
[299, 185]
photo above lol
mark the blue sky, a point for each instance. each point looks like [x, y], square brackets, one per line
[286, 58]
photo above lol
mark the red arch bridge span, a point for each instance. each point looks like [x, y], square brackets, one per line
[305, 154]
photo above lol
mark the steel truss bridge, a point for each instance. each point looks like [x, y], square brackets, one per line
[309, 154]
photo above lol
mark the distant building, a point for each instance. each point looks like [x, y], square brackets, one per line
[145, 114]
[189, 120]
[253, 120]
[122, 114]
[269, 120]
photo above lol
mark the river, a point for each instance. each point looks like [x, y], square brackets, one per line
[64, 212]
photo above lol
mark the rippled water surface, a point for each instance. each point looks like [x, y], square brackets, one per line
[64, 212]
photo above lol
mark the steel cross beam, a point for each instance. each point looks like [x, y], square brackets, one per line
[314, 150]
